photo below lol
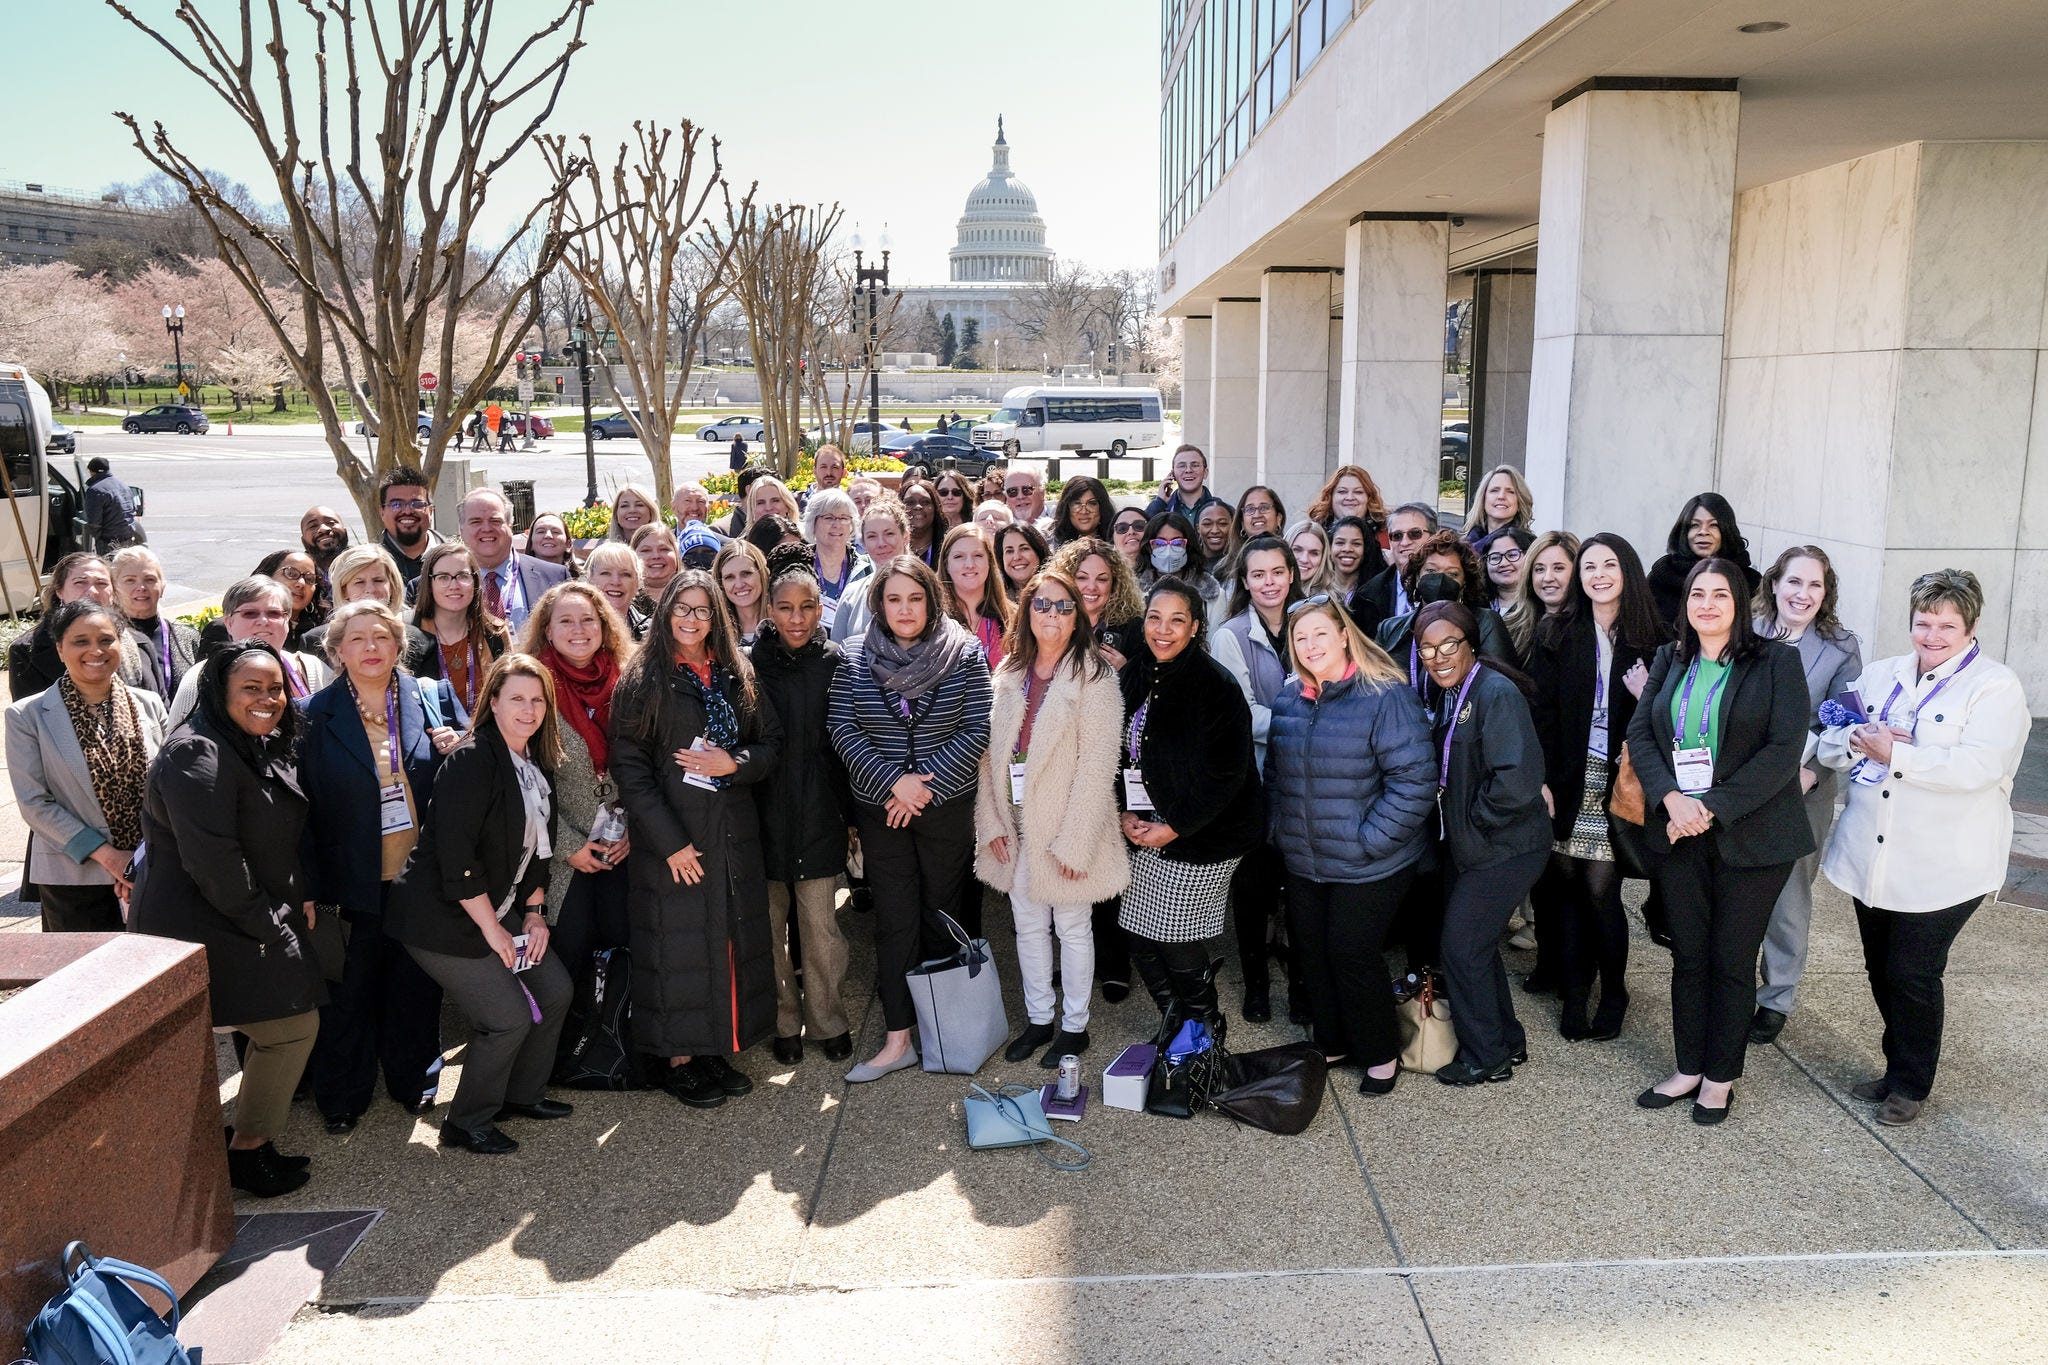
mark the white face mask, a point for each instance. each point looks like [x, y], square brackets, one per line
[1169, 558]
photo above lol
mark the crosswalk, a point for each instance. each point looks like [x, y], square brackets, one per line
[201, 454]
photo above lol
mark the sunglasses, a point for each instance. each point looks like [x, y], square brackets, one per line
[1052, 606]
[1018, 490]
[1442, 649]
[1408, 535]
[1130, 528]
[1321, 599]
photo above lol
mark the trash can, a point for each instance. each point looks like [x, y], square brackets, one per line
[519, 492]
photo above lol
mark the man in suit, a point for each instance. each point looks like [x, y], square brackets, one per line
[1407, 527]
[512, 582]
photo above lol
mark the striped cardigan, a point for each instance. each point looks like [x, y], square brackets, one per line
[945, 735]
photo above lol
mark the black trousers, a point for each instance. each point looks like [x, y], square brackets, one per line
[1477, 904]
[1419, 924]
[1905, 955]
[1589, 938]
[1254, 898]
[384, 1014]
[1340, 931]
[81, 909]
[916, 872]
[1718, 915]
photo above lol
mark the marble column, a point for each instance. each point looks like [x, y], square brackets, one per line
[1631, 295]
[1195, 341]
[1233, 447]
[1294, 381]
[1391, 371]
[1505, 301]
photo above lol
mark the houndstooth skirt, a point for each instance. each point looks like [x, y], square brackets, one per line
[1589, 831]
[1171, 902]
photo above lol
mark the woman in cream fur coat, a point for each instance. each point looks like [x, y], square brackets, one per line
[1045, 815]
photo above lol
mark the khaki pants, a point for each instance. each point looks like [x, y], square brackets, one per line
[815, 1009]
[271, 1068]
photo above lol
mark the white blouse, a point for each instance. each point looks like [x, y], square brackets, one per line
[1936, 830]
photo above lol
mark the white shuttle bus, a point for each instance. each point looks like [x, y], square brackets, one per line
[40, 510]
[1074, 421]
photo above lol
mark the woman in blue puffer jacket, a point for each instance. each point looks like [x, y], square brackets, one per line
[1353, 786]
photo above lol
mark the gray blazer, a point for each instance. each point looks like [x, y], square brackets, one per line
[1831, 665]
[54, 790]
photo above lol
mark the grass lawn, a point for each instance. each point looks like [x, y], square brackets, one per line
[249, 417]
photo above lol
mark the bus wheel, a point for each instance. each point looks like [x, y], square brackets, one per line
[1010, 449]
[1117, 449]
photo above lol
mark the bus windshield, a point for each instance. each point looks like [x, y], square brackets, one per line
[1010, 416]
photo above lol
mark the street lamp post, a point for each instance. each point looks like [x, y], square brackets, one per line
[872, 279]
[174, 323]
[124, 383]
[580, 343]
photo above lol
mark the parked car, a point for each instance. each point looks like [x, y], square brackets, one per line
[178, 417]
[542, 427]
[63, 440]
[926, 457]
[1454, 452]
[725, 428]
[425, 425]
[863, 436]
[612, 424]
[900, 442]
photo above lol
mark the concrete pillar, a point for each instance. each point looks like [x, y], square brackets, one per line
[1391, 373]
[1631, 298]
[1233, 395]
[1294, 381]
[1195, 342]
[1504, 301]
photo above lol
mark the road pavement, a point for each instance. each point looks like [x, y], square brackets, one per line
[216, 504]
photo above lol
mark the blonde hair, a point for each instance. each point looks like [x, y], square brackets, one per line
[780, 489]
[351, 564]
[645, 495]
[545, 748]
[1321, 579]
[1374, 664]
[380, 612]
[613, 637]
[1527, 609]
[1525, 501]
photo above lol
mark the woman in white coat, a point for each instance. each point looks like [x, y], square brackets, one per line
[1045, 814]
[1927, 828]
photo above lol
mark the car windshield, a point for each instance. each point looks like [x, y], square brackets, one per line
[1007, 415]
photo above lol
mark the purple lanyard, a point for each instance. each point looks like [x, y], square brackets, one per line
[1415, 670]
[1443, 772]
[469, 685]
[165, 627]
[390, 722]
[298, 679]
[1706, 711]
[1138, 728]
[1884, 716]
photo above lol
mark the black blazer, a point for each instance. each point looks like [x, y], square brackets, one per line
[344, 836]
[1562, 669]
[1374, 600]
[1196, 755]
[1759, 818]
[1493, 804]
[806, 802]
[1494, 641]
[469, 845]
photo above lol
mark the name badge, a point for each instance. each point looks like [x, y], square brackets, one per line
[1869, 772]
[1596, 738]
[828, 612]
[1136, 798]
[396, 818]
[691, 779]
[1695, 770]
[519, 959]
[1016, 784]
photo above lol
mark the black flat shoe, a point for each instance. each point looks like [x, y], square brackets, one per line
[1766, 1026]
[1115, 992]
[721, 1073]
[340, 1125]
[1573, 1030]
[420, 1107]
[1520, 1056]
[690, 1085]
[1465, 1073]
[1258, 1005]
[290, 1163]
[539, 1109]
[1707, 1118]
[1540, 983]
[1029, 1041]
[1600, 1032]
[789, 1051]
[1653, 1098]
[258, 1171]
[1064, 1044]
[489, 1142]
[836, 1048]
[1373, 1085]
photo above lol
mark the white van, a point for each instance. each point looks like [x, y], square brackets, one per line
[1075, 421]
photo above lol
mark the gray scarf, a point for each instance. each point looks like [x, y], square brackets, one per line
[912, 670]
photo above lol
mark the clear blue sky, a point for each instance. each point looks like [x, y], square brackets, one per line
[887, 108]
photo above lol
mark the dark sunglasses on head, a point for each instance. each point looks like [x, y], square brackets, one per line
[1052, 606]
[1321, 599]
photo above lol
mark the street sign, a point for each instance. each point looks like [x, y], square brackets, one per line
[526, 390]
[429, 382]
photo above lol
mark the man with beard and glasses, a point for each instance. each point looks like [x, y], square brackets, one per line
[407, 512]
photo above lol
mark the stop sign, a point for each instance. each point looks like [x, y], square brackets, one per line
[428, 382]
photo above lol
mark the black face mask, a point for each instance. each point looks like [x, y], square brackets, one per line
[1437, 587]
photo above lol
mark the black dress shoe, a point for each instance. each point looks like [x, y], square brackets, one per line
[1063, 1044]
[290, 1163]
[861, 901]
[1606, 1024]
[260, 1172]
[1115, 992]
[721, 1073]
[836, 1048]
[1370, 1084]
[1707, 1118]
[420, 1107]
[1520, 1056]
[1653, 1098]
[789, 1051]
[539, 1109]
[689, 1084]
[1540, 983]
[1258, 1005]
[489, 1142]
[1872, 1092]
[1766, 1026]
[1573, 1028]
[1465, 1073]
[1029, 1041]
[339, 1125]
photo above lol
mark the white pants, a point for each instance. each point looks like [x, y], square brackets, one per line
[1036, 923]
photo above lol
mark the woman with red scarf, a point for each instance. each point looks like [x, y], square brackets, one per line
[582, 642]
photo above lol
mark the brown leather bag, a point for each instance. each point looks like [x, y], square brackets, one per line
[1625, 796]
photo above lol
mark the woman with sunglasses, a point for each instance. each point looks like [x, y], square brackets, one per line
[1084, 509]
[1496, 834]
[1127, 534]
[1252, 647]
[1022, 552]
[1172, 548]
[1353, 784]
[974, 590]
[955, 493]
[1045, 823]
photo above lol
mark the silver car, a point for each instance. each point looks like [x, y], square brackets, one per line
[725, 428]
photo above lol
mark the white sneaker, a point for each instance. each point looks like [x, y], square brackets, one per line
[1523, 938]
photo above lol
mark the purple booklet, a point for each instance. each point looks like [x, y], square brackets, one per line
[1057, 1108]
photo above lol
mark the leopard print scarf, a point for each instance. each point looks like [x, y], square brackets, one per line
[110, 735]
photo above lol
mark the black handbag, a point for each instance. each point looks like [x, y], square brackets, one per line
[1278, 1089]
[596, 1051]
[1177, 1089]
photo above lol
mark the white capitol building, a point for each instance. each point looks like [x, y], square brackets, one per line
[999, 252]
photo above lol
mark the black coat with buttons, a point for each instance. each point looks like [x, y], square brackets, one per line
[1196, 754]
[806, 804]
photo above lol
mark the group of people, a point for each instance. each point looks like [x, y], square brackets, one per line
[417, 770]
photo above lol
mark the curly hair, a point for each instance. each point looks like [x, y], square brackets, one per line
[1125, 602]
[1474, 590]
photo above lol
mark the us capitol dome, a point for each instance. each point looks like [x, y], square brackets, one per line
[1001, 238]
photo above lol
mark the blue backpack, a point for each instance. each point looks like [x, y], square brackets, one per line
[99, 1320]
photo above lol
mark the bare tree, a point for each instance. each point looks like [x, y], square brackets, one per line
[1058, 313]
[782, 279]
[382, 193]
[629, 236]
[1125, 307]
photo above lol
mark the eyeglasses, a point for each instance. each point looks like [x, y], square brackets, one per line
[839, 520]
[1161, 543]
[1321, 599]
[1254, 509]
[451, 578]
[1417, 534]
[683, 611]
[1498, 559]
[259, 614]
[1442, 650]
[296, 576]
[1052, 606]
[407, 504]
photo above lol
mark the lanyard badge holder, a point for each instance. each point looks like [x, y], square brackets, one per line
[393, 815]
[1869, 771]
[1694, 766]
[1443, 770]
[1136, 799]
